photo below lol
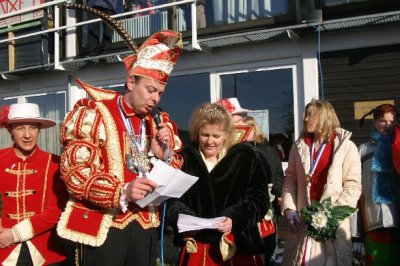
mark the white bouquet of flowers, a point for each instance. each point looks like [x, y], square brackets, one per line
[323, 218]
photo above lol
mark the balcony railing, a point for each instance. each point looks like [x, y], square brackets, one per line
[41, 45]
[36, 33]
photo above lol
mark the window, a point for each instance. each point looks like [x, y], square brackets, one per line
[183, 95]
[52, 106]
[270, 94]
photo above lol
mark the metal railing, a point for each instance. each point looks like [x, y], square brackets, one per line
[58, 27]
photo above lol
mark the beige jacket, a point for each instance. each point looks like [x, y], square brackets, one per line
[343, 186]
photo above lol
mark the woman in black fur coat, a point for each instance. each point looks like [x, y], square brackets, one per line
[232, 184]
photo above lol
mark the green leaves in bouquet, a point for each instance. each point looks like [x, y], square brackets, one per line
[323, 218]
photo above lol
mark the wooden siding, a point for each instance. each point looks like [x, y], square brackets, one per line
[367, 74]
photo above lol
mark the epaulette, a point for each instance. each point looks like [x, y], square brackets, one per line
[96, 93]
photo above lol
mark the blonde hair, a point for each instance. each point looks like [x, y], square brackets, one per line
[211, 114]
[326, 115]
[259, 136]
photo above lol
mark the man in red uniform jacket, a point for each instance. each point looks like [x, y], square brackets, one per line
[32, 192]
[109, 144]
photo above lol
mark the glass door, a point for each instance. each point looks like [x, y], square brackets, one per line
[269, 94]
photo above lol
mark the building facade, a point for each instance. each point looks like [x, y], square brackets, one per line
[273, 55]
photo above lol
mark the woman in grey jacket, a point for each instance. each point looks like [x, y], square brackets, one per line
[336, 175]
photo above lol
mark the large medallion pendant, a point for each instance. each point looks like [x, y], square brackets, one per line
[130, 164]
[138, 163]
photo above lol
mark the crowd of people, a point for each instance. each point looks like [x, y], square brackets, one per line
[82, 208]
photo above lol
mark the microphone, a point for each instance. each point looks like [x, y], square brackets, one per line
[155, 113]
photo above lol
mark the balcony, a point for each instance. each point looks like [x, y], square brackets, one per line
[47, 37]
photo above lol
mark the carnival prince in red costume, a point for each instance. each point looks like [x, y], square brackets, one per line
[109, 144]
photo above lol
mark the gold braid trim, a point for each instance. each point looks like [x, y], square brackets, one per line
[191, 245]
[113, 147]
[97, 94]
[45, 183]
[20, 216]
[153, 221]
[227, 247]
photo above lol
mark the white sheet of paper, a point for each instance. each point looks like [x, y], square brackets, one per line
[191, 223]
[172, 183]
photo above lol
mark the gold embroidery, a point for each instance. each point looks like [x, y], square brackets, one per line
[97, 94]
[191, 245]
[17, 194]
[241, 133]
[78, 252]
[126, 146]
[115, 160]
[121, 223]
[21, 172]
[17, 189]
[154, 221]
[23, 191]
[20, 216]
[227, 247]
[45, 182]
[204, 254]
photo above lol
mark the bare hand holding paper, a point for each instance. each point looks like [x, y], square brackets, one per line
[172, 184]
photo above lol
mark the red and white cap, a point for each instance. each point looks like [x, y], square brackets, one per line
[156, 57]
[232, 106]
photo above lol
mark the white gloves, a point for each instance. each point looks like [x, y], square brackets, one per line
[293, 218]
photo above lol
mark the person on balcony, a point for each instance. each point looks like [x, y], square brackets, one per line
[32, 193]
[144, 4]
[100, 34]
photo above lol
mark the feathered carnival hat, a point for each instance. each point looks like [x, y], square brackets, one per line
[23, 113]
[155, 58]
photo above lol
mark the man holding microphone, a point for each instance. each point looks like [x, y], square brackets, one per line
[109, 143]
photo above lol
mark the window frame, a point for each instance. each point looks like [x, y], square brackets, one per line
[293, 64]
